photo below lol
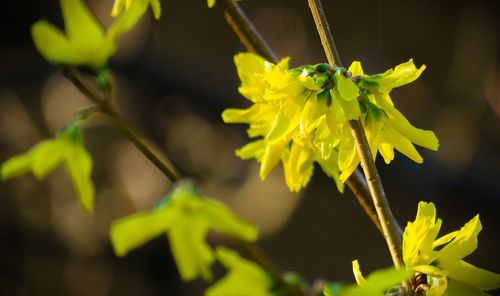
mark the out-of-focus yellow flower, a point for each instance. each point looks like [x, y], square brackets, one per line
[185, 217]
[378, 282]
[85, 43]
[441, 259]
[120, 5]
[67, 149]
[210, 3]
[245, 278]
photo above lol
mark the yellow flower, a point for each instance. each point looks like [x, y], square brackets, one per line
[293, 113]
[44, 157]
[85, 43]
[378, 283]
[441, 259]
[185, 217]
[385, 127]
[244, 278]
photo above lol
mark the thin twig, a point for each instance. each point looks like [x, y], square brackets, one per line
[360, 190]
[253, 41]
[161, 162]
[380, 201]
[245, 30]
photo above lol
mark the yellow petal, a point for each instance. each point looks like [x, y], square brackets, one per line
[348, 156]
[82, 28]
[347, 89]
[387, 152]
[420, 137]
[223, 220]
[360, 279]
[271, 157]
[420, 234]
[192, 254]
[356, 69]
[244, 277]
[402, 144]
[464, 243]
[52, 43]
[314, 111]
[403, 74]
[298, 166]
[287, 119]
[46, 156]
[254, 149]
[331, 168]
[79, 166]
[133, 231]
[16, 166]
[475, 276]
[350, 108]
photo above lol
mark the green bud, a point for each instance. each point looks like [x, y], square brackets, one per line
[321, 79]
[323, 67]
[103, 80]
[296, 71]
[309, 69]
[325, 95]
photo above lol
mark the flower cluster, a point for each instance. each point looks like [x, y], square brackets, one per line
[302, 116]
[439, 261]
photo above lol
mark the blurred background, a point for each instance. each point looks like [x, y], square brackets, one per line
[173, 79]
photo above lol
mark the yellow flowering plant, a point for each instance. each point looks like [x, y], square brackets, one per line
[302, 116]
[68, 149]
[320, 115]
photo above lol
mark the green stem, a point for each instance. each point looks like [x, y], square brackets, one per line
[253, 41]
[389, 224]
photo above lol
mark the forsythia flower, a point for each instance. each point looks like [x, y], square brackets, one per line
[441, 259]
[44, 157]
[85, 42]
[185, 217]
[378, 283]
[290, 112]
[245, 278]
[385, 127]
[302, 116]
[119, 5]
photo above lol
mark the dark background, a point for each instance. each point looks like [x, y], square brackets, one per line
[175, 76]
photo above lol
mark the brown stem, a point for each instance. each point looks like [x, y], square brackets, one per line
[390, 230]
[245, 30]
[104, 103]
[359, 188]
